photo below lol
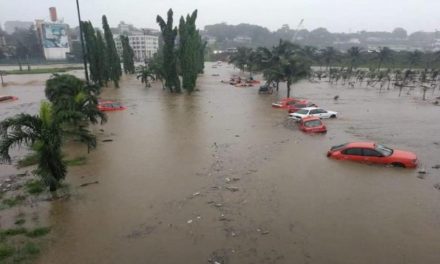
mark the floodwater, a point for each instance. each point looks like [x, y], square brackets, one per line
[164, 197]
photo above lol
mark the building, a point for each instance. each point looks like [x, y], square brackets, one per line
[54, 37]
[11, 26]
[144, 46]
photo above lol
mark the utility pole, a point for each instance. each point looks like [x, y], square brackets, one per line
[82, 43]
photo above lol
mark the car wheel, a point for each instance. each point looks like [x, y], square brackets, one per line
[397, 165]
[333, 116]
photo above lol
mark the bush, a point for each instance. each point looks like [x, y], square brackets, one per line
[38, 232]
[35, 186]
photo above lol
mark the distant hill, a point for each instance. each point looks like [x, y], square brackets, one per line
[224, 36]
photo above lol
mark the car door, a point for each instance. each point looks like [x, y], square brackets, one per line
[353, 154]
[314, 112]
[372, 156]
[323, 113]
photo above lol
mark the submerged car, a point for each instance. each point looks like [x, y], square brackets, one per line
[110, 106]
[313, 111]
[299, 105]
[285, 102]
[372, 153]
[8, 98]
[312, 124]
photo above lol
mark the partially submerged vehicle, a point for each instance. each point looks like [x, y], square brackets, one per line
[312, 111]
[283, 103]
[109, 105]
[372, 153]
[8, 98]
[292, 108]
[312, 124]
[265, 89]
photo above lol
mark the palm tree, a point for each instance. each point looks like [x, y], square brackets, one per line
[68, 93]
[354, 53]
[414, 58]
[293, 65]
[328, 55]
[145, 74]
[45, 134]
[240, 58]
[384, 54]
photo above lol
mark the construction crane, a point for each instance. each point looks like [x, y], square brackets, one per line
[298, 28]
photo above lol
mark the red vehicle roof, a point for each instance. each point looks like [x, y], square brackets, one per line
[361, 145]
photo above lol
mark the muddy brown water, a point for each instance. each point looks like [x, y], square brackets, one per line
[162, 195]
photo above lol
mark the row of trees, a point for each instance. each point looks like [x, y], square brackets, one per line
[187, 60]
[71, 106]
[289, 62]
[102, 56]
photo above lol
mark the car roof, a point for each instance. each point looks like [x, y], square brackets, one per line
[310, 108]
[310, 118]
[361, 145]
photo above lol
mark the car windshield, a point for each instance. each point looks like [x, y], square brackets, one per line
[302, 112]
[384, 150]
[313, 123]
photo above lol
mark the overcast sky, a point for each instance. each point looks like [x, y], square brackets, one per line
[335, 15]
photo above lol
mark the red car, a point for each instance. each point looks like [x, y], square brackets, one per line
[8, 98]
[370, 152]
[110, 106]
[292, 108]
[285, 102]
[312, 124]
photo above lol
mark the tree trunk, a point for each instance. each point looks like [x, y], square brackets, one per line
[288, 89]
[19, 64]
[278, 85]
[28, 63]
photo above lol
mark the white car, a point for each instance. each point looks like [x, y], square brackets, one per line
[312, 111]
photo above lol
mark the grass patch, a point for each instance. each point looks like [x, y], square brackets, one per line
[29, 160]
[38, 232]
[35, 186]
[43, 70]
[11, 202]
[6, 251]
[13, 231]
[20, 221]
[31, 249]
[78, 161]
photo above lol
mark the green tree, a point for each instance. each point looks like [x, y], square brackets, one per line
[383, 55]
[241, 58]
[354, 54]
[127, 55]
[44, 133]
[114, 63]
[169, 33]
[328, 55]
[68, 93]
[190, 50]
[414, 58]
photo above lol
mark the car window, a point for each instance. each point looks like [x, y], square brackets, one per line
[371, 153]
[352, 151]
[314, 111]
[302, 112]
[384, 150]
[313, 123]
[300, 105]
[321, 111]
[291, 103]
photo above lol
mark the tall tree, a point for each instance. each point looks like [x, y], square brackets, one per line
[114, 63]
[92, 51]
[383, 55]
[354, 54]
[44, 133]
[190, 51]
[169, 33]
[127, 55]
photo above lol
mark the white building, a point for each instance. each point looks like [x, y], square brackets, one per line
[144, 46]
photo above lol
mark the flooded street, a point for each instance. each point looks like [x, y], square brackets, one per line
[221, 177]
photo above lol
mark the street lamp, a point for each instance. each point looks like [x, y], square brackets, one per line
[82, 44]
